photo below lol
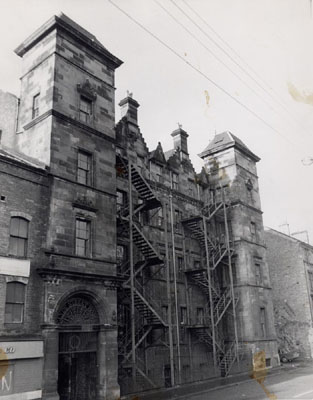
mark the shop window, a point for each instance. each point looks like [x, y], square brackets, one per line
[18, 237]
[35, 109]
[14, 303]
[82, 242]
[85, 109]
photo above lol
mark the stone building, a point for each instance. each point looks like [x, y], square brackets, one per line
[120, 267]
[58, 230]
[291, 271]
[196, 301]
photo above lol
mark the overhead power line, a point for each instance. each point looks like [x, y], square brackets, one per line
[200, 72]
[276, 98]
[216, 57]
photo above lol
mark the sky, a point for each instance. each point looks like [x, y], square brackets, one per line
[239, 65]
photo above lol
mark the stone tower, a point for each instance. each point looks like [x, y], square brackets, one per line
[66, 121]
[232, 168]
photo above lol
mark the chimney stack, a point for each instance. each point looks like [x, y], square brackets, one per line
[180, 140]
[129, 108]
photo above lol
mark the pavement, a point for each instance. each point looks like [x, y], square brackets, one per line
[291, 381]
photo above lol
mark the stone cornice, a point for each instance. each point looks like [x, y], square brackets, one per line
[52, 275]
[70, 120]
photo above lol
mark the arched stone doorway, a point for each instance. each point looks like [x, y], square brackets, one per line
[78, 321]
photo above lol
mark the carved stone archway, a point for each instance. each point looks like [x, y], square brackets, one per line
[78, 322]
[77, 310]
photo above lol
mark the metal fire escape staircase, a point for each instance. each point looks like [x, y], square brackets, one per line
[218, 251]
[148, 311]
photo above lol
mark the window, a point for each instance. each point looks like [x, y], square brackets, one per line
[120, 200]
[183, 315]
[263, 322]
[14, 303]
[196, 265]
[82, 245]
[35, 110]
[258, 274]
[200, 316]
[165, 313]
[121, 254]
[174, 181]
[85, 109]
[310, 275]
[177, 219]
[158, 173]
[84, 168]
[180, 262]
[253, 230]
[18, 237]
[160, 217]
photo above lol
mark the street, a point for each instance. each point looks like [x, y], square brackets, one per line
[291, 383]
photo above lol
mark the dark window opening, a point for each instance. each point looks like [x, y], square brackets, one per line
[35, 109]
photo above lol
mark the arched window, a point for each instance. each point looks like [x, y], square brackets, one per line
[14, 302]
[18, 237]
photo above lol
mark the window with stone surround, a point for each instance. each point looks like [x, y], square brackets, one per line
[174, 181]
[82, 237]
[183, 315]
[85, 109]
[84, 164]
[14, 303]
[263, 322]
[258, 274]
[35, 109]
[18, 237]
[310, 276]
[253, 230]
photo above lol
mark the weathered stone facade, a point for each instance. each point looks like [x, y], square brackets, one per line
[63, 180]
[291, 272]
[136, 272]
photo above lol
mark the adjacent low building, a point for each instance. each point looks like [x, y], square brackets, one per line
[291, 271]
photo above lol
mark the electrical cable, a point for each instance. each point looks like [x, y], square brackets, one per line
[200, 72]
[215, 56]
[234, 61]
